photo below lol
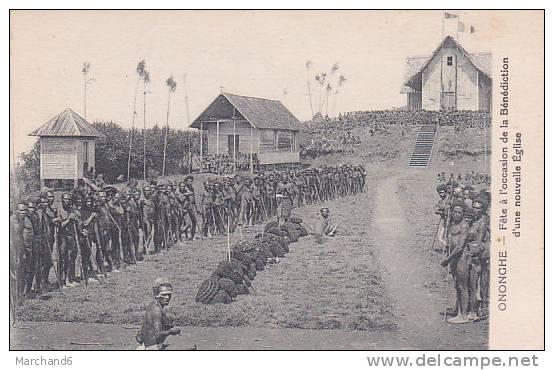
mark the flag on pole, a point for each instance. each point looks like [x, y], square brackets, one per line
[450, 15]
[462, 27]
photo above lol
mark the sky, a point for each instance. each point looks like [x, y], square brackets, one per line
[253, 53]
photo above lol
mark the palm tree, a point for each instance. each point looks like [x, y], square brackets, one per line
[308, 66]
[341, 82]
[85, 70]
[171, 86]
[328, 90]
[140, 71]
[145, 76]
[320, 78]
[189, 158]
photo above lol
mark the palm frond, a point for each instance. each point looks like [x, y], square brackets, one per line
[171, 84]
[141, 68]
[86, 68]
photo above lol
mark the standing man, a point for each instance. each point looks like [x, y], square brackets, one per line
[103, 228]
[115, 215]
[284, 201]
[68, 249]
[481, 234]
[458, 259]
[192, 209]
[20, 247]
[46, 243]
[443, 210]
[148, 212]
[33, 260]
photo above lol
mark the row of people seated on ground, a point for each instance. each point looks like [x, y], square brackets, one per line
[470, 178]
[378, 119]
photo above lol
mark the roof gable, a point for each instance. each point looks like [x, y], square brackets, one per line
[68, 123]
[416, 64]
[261, 113]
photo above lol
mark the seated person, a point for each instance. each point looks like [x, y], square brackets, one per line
[323, 226]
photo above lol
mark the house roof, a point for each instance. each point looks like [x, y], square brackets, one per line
[416, 64]
[68, 123]
[259, 112]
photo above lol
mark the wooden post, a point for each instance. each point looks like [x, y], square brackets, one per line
[234, 145]
[201, 146]
[76, 151]
[42, 182]
[217, 144]
[217, 138]
[251, 151]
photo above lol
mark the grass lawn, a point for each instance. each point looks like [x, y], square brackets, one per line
[335, 285]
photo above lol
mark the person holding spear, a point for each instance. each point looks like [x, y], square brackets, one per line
[115, 213]
[140, 224]
[89, 229]
[458, 261]
[193, 210]
[103, 230]
[128, 224]
[148, 211]
[51, 213]
[47, 241]
[66, 236]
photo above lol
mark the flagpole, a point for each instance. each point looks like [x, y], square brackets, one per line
[456, 66]
[442, 54]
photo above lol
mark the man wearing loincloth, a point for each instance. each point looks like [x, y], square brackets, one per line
[159, 321]
[323, 226]
[458, 260]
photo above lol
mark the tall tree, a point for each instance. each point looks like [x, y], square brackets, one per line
[189, 157]
[145, 76]
[133, 118]
[328, 90]
[320, 78]
[85, 71]
[341, 82]
[308, 66]
[171, 87]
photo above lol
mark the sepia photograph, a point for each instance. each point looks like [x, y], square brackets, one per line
[270, 180]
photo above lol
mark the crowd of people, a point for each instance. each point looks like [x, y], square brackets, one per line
[335, 135]
[469, 179]
[464, 232]
[224, 164]
[91, 234]
[380, 119]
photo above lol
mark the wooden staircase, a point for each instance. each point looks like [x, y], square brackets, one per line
[423, 148]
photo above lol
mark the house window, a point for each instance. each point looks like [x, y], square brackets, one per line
[449, 61]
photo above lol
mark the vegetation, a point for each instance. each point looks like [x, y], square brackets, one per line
[112, 155]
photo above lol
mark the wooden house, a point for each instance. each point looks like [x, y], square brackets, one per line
[263, 129]
[67, 148]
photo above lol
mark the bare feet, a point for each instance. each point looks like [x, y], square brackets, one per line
[458, 320]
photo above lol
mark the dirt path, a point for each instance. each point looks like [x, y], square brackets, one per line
[407, 275]
[88, 336]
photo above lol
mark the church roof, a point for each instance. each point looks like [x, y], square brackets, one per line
[416, 64]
